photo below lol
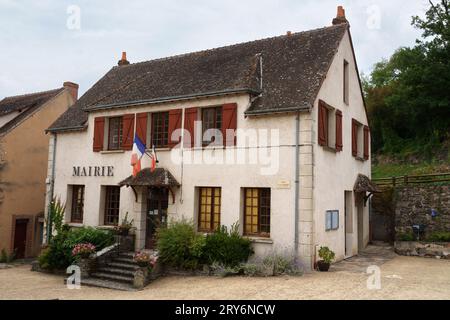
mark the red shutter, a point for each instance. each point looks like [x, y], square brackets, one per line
[323, 123]
[174, 124]
[99, 131]
[229, 122]
[141, 127]
[366, 142]
[339, 144]
[354, 138]
[127, 131]
[190, 116]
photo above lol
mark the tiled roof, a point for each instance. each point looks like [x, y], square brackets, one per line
[293, 69]
[26, 104]
[159, 178]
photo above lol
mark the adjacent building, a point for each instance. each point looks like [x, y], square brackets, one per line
[270, 134]
[23, 165]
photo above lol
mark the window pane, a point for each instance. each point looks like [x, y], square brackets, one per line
[115, 133]
[257, 212]
[160, 129]
[77, 204]
[112, 205]
[209, 215]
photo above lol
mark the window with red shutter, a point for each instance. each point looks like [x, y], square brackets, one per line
[354, 138]
[339, 144]
[174, 124]
[141, 127]
[127, 131]
[323, 124]
[99, 131]
[366, 142]
[190, 116]
[229, 124]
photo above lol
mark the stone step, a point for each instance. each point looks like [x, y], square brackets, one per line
[124, 260]
[102, 283]
[127, 254]
[113, 277]
[120, 265]
[118, 271]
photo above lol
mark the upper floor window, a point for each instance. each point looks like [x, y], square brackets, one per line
[211, 119]
[360, 140]
[76, 214]
[115, 132]
[346, 82]
[330, 127]
[160, 129]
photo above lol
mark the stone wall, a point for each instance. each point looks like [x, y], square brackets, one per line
[414, 205]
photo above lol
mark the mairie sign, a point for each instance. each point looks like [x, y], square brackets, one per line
[93, 171]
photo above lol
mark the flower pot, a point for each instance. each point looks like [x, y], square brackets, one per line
[323, 266]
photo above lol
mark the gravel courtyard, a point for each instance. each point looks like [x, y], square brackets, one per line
[402, 278]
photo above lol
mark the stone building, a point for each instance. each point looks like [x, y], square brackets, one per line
[23, 165]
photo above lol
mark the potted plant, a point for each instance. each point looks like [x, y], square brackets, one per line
[327, 257]
[125, 226]
[83, 250]
[144, 259]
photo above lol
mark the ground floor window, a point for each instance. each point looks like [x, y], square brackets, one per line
[112, 205]
[209, 209]
[257, 212]
[76, 214]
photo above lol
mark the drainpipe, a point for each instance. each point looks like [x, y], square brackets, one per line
[297, 182]
[52, 186]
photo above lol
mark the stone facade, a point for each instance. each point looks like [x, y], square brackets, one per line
[414, 205]
[423, 249]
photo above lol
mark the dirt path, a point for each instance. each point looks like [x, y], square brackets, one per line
[402, 278]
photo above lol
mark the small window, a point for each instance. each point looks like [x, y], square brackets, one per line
[209, 209]
[346, 82]
[357, 139]
[76, 215]
[211, 119]
[115, 133]
[330, 127]
[332, 220]
[112, 205]
[257, 212]
[160, 129]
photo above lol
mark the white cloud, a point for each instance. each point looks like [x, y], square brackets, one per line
[39, 52]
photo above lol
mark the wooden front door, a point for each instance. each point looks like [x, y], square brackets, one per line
[157, 203]
[20, 238]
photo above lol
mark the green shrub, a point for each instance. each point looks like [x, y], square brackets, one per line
[281, 264]
[5, 257]
[227, 248]
[326, 254]
[439, 236]
[406, 236]
[58, 254]
[180, 246]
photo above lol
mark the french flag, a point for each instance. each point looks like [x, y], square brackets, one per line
[137, 154]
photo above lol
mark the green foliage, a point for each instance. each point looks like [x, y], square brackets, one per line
[7, 258]
[58, 254]
[406, 236]
[281, 264]
[57, 212]
[326, 254]
[228, 248]
[180, 246]
[407, 96]
[439, 236]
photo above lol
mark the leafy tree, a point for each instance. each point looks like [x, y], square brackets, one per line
[408, 95]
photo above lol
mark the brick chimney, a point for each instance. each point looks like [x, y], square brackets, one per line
[340, 18]
[73, 89]
[123, 61]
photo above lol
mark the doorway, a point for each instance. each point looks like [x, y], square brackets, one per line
[157, 204]
[20, 238]
[348, 227]
[360, 215]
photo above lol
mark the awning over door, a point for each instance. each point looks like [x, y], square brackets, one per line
[158, 178]
[364, 184]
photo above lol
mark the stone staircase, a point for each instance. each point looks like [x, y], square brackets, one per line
[117, 273]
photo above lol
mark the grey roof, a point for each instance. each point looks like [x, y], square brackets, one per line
[293, 69]
[364, 184]
[159, 178]
[25, 104]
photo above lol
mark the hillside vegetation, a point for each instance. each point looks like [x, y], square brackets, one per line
[408, 101]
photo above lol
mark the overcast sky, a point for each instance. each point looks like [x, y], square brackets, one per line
[42, 44]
